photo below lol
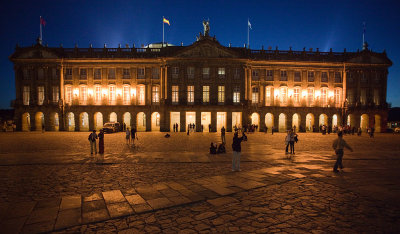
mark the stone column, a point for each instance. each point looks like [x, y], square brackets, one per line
[198, 121]
[182, 123]
[213, 121]
[76, 118]
[289, 120]
[261, 127]
[229, 121]
[148, 121]
[33, 121]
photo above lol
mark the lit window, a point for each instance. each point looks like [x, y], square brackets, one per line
[324, 77]
[175, 72]
[297, 76]
[68, 94]
[337, 97]
[236, 94]
[97, 94]
[268, 99]
[324, 97]
[141, 95]
[190, 72]
[254, 74]
[254, 95]
[221, 72]
[56, 93]
[26, 95]
[111, 73]
[376, 97]
[310, 76]
[206, 94]
[126, 73]
[126, 95]
[175, 94]
[155, 94]
[83, 95]
[97, 74]
[206, 72]
[83, 74]
[155, 73]
[111, 95]
[190, 94]
[283, 75]
[296, 95]
[140, 73]
[221, 94]
[310, 96]
[270, 75]
[40, 95]
[283, 95]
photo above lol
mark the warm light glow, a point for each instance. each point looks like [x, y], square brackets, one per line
[90, 92]
[331, 94]
[76, 92]
[276, 92]
[290, 92]
[304, 93]
[317, 93]
[133, 92]
[104, 92]
[119, 92]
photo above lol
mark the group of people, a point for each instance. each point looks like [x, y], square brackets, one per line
[176, 127]
[217, 150]
[93, 142]
[130, 136]
[290, 139]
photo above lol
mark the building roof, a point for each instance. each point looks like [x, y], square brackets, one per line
[205, 46]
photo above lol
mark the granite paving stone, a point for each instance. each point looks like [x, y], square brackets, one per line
[119, 209]
[113, 196]
[71, 202]
[68, 218]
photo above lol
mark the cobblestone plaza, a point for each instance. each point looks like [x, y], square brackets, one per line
[50, 182]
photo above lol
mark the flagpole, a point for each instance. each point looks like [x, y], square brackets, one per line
[163, 32]
[40, 23]
[363, 34]
[248, 33]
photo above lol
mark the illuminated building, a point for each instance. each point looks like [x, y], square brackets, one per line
[152, 88]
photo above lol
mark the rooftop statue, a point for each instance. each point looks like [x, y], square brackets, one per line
[206, 26]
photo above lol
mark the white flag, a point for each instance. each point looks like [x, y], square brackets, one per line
[248, 23]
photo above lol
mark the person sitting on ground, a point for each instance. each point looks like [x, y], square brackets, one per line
[221, 148]
[167, 135]
[213, 148]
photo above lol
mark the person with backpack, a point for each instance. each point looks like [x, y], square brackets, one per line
[338, 145]
[92, 139]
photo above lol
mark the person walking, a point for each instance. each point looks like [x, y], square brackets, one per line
[92, 139]
[287, 141]
[338, 145]
[128, 136]
[223, 135]
[133, 135]
[236, 147]
[101, 141]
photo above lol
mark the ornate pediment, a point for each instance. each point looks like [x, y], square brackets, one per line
[36, 52]
[206, 48]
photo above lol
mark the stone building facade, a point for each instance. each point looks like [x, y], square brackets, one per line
[210, 85]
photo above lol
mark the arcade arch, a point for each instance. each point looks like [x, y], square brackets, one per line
[26, 122]
[83, 122]
[309, 122]
[141, 122]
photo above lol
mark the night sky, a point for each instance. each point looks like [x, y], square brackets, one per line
[297, 23]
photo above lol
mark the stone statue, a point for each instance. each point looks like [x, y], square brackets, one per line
[206, 26]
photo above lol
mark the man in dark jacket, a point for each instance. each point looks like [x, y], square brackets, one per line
[236, 152]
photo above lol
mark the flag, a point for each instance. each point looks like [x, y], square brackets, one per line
[42, 21]
[248, 23]
[166, 21]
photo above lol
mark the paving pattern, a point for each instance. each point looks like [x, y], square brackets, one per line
[51, 183]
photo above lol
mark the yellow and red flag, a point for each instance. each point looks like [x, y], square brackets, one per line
[166, 21]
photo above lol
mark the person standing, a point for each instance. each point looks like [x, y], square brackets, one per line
[272, 130]
[133, 135]
[293, 138]
[287, 141]
[209, 128]
[101, 141]
[338, 145]
[128, 136]
[223, 134]
[236, 147]
[92, 139]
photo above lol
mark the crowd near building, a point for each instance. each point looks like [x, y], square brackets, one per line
[155, 87]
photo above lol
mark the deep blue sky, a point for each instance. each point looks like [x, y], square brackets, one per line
[296, 23]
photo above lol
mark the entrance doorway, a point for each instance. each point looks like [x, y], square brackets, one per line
[155, 122]
[190, 119]
[236, 120]
[141, 122]
[175, 119]
[255, 120]
[205, 120]
[221, 121]
[98, 121]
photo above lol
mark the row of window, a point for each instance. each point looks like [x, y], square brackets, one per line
[111, 73]
[269, 76]
[363, 97]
